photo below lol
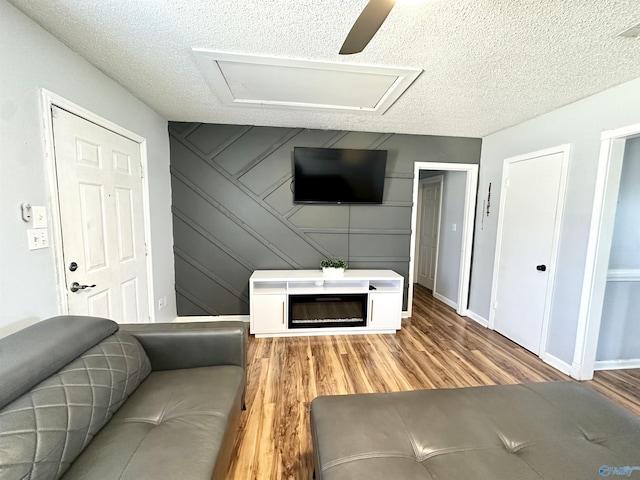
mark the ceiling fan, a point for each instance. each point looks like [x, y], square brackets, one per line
[366, 26]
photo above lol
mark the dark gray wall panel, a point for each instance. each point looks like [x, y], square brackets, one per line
[234, 213]
[359, 140]
[278, 164]
[321, 216]
[251, 211]
[209, 138]
[280, 199]
[336, 243]
[376, 245]
[195, 246]
[380, 217]
[189, 206]
[398, 190]
[210, 294]
[252, 146]
[188, 308]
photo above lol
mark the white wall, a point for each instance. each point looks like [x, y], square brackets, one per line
[453, 199]
[620, 325]
[32, 59]
[579, 124]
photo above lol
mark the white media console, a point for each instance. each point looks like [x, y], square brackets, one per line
[308, 302]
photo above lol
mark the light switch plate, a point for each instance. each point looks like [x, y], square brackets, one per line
[38, 238]
[39, 216]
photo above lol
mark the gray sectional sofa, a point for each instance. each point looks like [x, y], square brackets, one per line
[541, 431]
[86, 398]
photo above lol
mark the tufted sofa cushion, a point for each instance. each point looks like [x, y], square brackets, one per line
[45, 429]
[558, 430]
[179, 424]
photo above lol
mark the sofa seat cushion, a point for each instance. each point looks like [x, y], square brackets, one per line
[173, 426]
[45, 429]
[557, 430]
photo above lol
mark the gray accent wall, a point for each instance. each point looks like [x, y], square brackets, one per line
[233, 211]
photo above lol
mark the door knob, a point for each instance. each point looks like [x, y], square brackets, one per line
[75, 286]
[541, 268]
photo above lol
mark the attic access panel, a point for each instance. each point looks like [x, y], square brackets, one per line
[277, 82]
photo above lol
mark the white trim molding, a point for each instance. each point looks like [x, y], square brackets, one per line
[596, 268]
[556, 363]
[478, 318]
[445, 300]
[471, 188]
[624, 275]
[215, 66]
[617, 364]
[49, 100]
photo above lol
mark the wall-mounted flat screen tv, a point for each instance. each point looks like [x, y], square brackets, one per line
[338, 175]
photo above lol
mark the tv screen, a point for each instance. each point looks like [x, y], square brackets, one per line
[338, 175]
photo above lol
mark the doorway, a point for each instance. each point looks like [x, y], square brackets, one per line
[529, 223]
[428, 230]
[598, 272]
[470, 172]
[99, 214]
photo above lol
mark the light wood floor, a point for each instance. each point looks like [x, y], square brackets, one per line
[435, 349]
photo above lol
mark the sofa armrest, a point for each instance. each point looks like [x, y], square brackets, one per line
[172, 346]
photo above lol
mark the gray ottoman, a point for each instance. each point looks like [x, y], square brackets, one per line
[557, 430]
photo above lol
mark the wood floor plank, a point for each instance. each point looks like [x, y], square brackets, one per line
[435, 349]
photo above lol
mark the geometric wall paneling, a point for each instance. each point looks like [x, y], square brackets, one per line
[280, 199]
[360, 140]
[234, 213]
[189, 307]
[377, 245]
[208, 140]
[254, 145]
[211, 256]
[426, 148]
[336, 243]
[276, 166]
[212, 222]
[381, 218]
[397, 190]
[210, 294]
[326, 217]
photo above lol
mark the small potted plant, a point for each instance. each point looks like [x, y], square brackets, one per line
[333, 267]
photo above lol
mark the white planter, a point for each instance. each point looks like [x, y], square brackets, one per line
[333, 272]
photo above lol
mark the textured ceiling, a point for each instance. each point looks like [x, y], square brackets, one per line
[488, 64]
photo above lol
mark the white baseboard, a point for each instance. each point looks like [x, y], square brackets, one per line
[445, 300]
[219, 318]
[617, 364]
[556, 363]
[477, 318]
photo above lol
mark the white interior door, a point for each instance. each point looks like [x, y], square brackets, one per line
[527, 238]
[429, 230]
[99, 179]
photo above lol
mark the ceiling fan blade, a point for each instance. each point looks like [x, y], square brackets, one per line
[366, 26]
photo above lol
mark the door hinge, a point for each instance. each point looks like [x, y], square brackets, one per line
[146, 250]
[54, 111]
[495, 305]
[506, 183]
